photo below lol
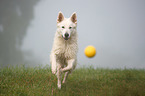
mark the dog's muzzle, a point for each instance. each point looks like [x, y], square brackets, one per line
[66, 36]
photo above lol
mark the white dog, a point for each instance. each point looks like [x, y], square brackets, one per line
[63, 56]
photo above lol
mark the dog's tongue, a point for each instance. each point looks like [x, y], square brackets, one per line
[65, 38]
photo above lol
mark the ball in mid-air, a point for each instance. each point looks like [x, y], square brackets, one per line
[90, 51]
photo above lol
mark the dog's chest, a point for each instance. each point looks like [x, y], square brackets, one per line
[67, 51]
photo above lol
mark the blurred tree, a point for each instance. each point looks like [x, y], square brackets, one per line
[15, 17]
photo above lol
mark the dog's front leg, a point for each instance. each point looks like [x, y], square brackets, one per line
[70, 65]
[53, 64]
[59, 72]
[65, 76]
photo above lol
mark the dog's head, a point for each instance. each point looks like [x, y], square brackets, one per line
[66, 26]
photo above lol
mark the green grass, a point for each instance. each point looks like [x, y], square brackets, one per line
[21, 81]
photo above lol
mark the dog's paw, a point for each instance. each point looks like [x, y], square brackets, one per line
[59, 86]
[53, 71]
[63, 81]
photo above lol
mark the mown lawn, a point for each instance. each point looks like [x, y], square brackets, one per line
[22, 81]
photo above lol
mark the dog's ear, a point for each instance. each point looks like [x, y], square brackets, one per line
[60, 17]
[74, 18]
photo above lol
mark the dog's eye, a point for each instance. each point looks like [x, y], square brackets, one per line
[62, 26]
[70, 27]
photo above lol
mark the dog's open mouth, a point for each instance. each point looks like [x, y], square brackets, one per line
[66, 38]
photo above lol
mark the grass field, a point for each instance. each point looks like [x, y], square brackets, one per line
[21, 81]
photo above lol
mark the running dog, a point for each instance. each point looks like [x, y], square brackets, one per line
[63, 57]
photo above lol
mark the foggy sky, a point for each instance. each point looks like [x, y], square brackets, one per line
[115, 27]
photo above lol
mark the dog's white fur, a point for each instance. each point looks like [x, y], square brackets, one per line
[63, 56]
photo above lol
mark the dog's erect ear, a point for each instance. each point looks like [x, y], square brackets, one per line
[74, 18]
[60, 17]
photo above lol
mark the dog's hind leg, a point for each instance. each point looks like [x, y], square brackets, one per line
[65, 76]
[59, 73]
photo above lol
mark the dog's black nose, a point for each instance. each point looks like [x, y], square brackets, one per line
[66, 34]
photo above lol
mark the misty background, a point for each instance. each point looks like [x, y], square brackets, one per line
[115, 27]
